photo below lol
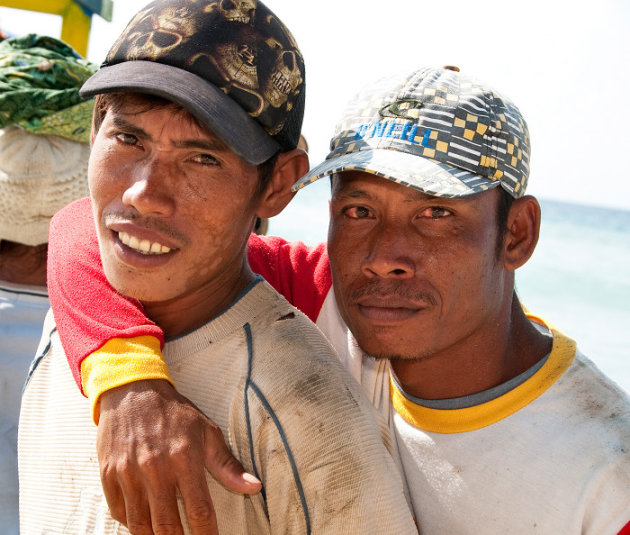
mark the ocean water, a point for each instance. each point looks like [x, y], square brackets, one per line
[578, 278]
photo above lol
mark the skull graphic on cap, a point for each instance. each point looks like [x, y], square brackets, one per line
[154, 34]
[236, 11]
[259, 65]
[240, 46]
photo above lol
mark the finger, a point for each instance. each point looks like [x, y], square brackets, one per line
[113, 496]
[187, 463]
[224, 466]
[138, 513]
[139, 481]
[152, 498]
[165, 517]
[198, 506]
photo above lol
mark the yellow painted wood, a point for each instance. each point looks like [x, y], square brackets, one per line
[75, 27]
[55, 7]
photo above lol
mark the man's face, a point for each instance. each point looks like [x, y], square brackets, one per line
[414, 275]
[173, 205]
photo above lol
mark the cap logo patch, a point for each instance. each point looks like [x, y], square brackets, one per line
[402, 109]
[392, 129]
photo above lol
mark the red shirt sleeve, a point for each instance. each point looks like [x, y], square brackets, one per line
[300, 273]
[89, 311]
[625, 530]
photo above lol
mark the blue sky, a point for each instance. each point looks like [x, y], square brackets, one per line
[564, 63]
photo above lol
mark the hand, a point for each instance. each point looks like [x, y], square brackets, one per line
[153, 442]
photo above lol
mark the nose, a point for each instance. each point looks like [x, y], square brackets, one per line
[149, 191]
[390, 253]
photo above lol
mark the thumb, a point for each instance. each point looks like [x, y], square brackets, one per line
[223, 466]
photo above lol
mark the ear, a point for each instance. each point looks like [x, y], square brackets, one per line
[290, 167]
[523, 227]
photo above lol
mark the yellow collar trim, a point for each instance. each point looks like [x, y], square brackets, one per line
[472, 418]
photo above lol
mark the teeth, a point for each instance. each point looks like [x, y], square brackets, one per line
[144, 246]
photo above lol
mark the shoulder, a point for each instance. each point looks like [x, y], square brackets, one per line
[76, 212]
[55, 426]
[290, 353]
[577, 392]
[49, 391]
[598, 416]
[588, 417]
[285, 328]
[595, 397]
[298, 389]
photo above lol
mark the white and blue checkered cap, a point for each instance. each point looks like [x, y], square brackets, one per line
[437, 131]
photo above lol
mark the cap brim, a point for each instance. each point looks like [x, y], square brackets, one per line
[423, 174]
[215, 110]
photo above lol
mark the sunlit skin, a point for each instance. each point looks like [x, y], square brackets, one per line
[155, 175]
[418, 279]
[174, 208]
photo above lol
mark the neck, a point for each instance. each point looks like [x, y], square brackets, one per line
[23, 264]
[188, 312]
[508, 349]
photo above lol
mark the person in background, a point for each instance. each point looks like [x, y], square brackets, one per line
[186, 153]
[44, 151]
[502, 424]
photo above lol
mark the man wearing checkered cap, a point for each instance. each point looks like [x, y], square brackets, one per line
[502, 425]
[197, 117]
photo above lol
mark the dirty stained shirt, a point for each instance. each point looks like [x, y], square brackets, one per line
[289, 411]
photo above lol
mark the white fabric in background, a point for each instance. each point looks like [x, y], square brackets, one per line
[22, 312]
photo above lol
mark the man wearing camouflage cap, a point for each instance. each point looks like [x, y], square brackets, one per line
[503, 426]
[197, 117]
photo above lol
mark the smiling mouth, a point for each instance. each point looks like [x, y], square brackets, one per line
[143, 246]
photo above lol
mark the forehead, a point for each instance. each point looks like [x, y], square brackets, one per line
[359, 183]
[119, 100]
[129, 103]
[138, 107]
[362, 185]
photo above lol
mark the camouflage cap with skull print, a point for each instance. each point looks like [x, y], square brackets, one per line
[231, 63]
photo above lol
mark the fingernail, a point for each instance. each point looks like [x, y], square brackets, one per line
[251, 479]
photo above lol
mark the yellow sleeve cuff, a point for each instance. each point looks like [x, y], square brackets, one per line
[118, 362]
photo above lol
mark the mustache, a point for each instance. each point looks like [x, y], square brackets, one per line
[391, 289]
[149, 223]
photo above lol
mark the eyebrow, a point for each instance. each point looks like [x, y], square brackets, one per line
[204, 144]
[350, 192]
[125, 125]
[214, 145]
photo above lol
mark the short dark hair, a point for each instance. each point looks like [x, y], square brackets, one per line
[114, 101]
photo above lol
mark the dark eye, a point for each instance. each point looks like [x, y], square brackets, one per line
[357, 212]
[205, 159]
[435, 212]
[127, 139]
